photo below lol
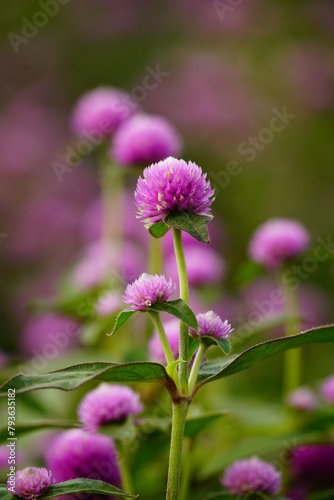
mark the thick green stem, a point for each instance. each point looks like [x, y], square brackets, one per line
[184, 295]
[196, 366]
[180, 410]
[162, 336]
[156, 256]
[292, 358]
[186, 469]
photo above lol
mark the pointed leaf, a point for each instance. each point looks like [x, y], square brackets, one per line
[36, 425]
[214, 370]
[72, 377]
[197, 424]
[222, 343]
[193, 346]
[122, 317]
[195, 225]
[84, 486]
[159, 229]
[179, 309]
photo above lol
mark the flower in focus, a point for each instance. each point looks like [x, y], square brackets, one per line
[302, 399]
[156, 351]
[147, 290]
[277, 241]
[79, 454]
[252, 475]
[31, 482]
[327, 390]
[212, 325]
[99, 112]
[312, 466]
[108, 404]
[172, 186]
[143, 140]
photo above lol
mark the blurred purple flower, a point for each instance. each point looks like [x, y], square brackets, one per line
[277, 241]
[156, 352]
[147, 290]
[80, 454]
[108, 303]
[312, 466]
[145, 139]
[303, 399]
[31, 482]
[108, 404]
[327, 390]
[100, 112]
[211, 324]
[172, 185]
[252, 475]
[204, 265]
[42, 332]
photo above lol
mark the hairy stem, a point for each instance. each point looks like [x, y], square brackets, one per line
[184, 295]
[180, 410]
[162, 336]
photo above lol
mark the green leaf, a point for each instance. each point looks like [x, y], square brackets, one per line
[225, 367]
[73, 377]
[324, 495]
[223, 344]
[159, 229]
[195, 225]
[36, 425]
[4, 493]
[122, 317]
[172, 368]
[198, 423]
[179, 309]
[84, 486]
[193, 346]
[122, 431]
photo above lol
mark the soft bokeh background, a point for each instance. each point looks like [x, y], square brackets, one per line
[226, 71]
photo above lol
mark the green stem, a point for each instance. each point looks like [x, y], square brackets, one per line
[180, 410]
[196, 366]
[112, 200]
[186, 470]
[292, 357]
[123, 465]
[184, 295]
[162, 336]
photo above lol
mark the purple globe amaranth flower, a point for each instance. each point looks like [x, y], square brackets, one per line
[145, 139]
[210, 324]
[99, 112]
[327, 390]
[303, 399]
[277, 241]
[79, 454]
[31, 482]
[108, 404]
[252, 475]
[156, 351]
[313, 465]
[147, 290]
[108, 303]
[172, 186]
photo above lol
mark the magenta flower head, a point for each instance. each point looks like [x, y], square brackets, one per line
[302, 399]
[277, 241]
[100, 112]
[172, 186]
[31, 482]
[312, 465]
[327, 390]
[77, 453]
[147, 290]
[156, 351]
[143, 140]
[210, 324]
[108, 404]
[252, 475]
